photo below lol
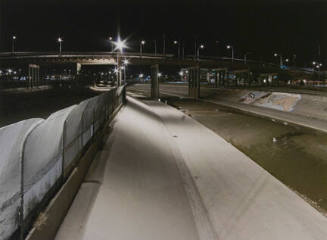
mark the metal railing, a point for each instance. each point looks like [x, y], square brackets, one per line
[38, 155]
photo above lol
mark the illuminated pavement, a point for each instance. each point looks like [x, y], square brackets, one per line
[168, 177]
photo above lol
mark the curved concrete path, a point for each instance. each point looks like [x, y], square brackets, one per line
[162, 175]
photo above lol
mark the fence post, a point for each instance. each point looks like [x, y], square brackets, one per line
[82, 130]
[93, 125]
[21, 213]
[63, 153]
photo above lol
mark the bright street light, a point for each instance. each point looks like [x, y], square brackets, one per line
[198, 52]
[126, 61]
[280, 58]
[232, 48]
[142, 43]
[60, 40]
[120, 45]
[13, 44]
[159, 74]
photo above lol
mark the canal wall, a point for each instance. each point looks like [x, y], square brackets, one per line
[301, 104]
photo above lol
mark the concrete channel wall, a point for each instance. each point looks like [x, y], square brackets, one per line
[302, 104]
[39, 156]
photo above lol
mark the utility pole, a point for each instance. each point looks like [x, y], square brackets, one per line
[164, 45]
[155, 47]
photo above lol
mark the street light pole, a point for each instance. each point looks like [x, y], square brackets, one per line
[178, 48]
[120, 45]
[155, 47]
[245, 56]
[195, 49]
[232, 48]
[111, 44]
[125, 66]
[60, 44]
[13, 44]
[198, 52]
[141, 47]
[164, 45]
[280, 59]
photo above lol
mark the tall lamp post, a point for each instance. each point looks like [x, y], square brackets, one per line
[317, 65]
[126, 62]
[280, 58]
[111, 44]
[231, 48]
[142, 43]
[246, 56]
[198, 51]
[13, 44]
[155, 47]
[178, 48]
[60, 40]
[120, 45]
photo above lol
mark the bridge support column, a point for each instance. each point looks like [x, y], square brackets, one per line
[155, 81]
[194, 82]
[217, 79]
[33, 75]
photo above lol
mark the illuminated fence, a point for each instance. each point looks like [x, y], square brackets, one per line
[37, 155]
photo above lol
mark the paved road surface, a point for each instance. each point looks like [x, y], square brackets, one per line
[168, 177]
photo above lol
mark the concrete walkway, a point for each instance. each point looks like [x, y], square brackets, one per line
[162, 175]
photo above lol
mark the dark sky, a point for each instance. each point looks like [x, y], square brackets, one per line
[261, 27]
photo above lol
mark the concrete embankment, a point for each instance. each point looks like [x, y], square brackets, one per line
[298, 108]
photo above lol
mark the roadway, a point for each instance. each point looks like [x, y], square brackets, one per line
[163, 175]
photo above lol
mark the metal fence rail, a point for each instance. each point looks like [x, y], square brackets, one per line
[37, 155]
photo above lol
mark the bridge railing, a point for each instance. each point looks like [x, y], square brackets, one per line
[37, 155]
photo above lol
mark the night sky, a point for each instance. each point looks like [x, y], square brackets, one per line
[261, 27]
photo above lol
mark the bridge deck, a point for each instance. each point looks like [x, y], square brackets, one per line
[168, 177]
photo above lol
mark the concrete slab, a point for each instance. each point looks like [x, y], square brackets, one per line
[243, 200]
[169, 177]
[141, 195]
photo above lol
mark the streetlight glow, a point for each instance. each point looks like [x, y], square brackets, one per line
[175, 42]
[159, 74]
[120, 45]
[14, 37]
[60, 40]
[142, 42]
[126, 61]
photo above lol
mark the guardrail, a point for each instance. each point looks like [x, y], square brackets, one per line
[37, 155]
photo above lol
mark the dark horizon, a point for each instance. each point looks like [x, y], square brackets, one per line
[290, 27]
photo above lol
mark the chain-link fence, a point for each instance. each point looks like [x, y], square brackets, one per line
[37, 155]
